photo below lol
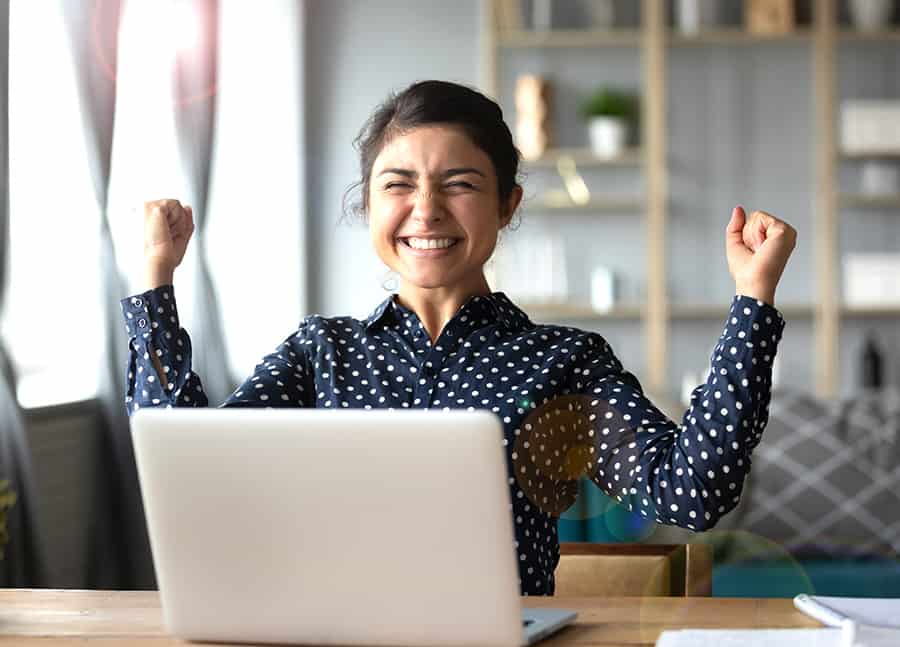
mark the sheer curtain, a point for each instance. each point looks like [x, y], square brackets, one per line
[120, 555]
[196, 61]
[23, 562]
[158, 113]
[162, 148]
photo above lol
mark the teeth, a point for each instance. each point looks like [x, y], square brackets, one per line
[430, 243]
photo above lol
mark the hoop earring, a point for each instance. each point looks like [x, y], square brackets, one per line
[390, 282]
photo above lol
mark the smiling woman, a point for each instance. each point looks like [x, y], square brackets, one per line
[438, 182]
[434, 214]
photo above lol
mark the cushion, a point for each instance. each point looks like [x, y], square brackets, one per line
[825, 479]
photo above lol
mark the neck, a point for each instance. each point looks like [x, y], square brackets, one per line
[436, 306]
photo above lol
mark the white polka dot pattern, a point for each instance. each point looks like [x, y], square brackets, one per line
[566, 403]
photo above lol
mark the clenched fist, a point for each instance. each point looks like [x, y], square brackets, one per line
[758, 249]
[168, 226]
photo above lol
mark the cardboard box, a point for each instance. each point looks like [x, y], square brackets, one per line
[870, 126]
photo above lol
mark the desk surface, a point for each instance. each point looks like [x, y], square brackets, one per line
[55, 618]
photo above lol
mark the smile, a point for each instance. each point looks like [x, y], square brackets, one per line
[426, 244]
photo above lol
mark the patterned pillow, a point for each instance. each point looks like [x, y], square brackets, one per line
[825, 479]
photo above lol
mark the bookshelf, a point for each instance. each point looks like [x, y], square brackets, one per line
[652, 41]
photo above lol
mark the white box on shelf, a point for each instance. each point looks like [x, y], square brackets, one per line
[870, 126]
[879, 178]
[530, 267]
[871, 279]
[603, 294]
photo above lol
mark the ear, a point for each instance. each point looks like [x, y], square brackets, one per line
[509, 208]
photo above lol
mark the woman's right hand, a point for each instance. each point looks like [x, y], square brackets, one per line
[168, 226]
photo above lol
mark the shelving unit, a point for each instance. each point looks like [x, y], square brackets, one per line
[584, 157]
[596, 205]
[651, 41]
[861, 201]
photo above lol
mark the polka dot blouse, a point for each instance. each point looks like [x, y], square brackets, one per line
[567, 405]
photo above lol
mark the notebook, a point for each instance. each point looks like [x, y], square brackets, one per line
[875, 612]
[863, 637]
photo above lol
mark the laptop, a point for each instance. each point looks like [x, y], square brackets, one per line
[333, 527]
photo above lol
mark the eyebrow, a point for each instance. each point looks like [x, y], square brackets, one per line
[448, 173]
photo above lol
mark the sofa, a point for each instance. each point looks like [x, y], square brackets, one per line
[820, 510]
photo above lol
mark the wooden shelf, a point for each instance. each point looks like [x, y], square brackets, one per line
[857, 36]
[737, 36]
[870, 311]
[698, 312]
[526, 38]
[654, 42]
[865, 155]
[561, 310]
[869, 201]
[584, 157]
[606, 205]
[570, 38]
[714, 311]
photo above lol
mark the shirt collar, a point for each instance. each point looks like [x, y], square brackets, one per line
[496, 306]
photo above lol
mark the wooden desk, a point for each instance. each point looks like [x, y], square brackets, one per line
[56, 618]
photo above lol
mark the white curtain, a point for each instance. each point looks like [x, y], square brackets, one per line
[24, 557]
[226, 134]
[164, 116]
[256, 238]
[120, 550]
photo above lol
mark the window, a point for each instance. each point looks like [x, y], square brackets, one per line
[53, 319]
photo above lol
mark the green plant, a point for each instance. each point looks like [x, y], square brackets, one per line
[7, 500]
[607, 102]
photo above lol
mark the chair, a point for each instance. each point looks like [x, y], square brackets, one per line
[588, 569]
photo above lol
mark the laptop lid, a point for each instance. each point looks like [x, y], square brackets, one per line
[350, 527]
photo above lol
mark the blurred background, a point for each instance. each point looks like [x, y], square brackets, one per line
[642, 123]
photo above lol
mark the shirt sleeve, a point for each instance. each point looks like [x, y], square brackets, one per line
[151, 321]
[688, 474]
[282, 379]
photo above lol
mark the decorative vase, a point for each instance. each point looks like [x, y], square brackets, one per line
[694, 15]
[601, 13]
[871, 15]
[878, 178]
[607, 135]
[769, 17]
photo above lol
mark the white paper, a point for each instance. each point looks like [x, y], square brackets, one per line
[877, 612]
[751, 638]
[865, 637]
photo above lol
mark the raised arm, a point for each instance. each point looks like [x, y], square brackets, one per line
[688, 473]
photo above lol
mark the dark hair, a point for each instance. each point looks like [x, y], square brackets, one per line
[436, 102]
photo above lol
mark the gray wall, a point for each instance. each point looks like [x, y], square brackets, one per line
[357, 53]
[740, 132]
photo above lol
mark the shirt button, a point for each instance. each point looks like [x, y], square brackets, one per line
[142, 323]
[137, 302]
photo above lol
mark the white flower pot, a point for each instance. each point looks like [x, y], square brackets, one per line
[871, 15]
[694, 15]
[601, 14]
[608, 136]
[878, 178]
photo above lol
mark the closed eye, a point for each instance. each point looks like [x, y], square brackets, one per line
[460, 185]
[397, 185]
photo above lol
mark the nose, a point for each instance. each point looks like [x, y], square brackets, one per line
[428, 206]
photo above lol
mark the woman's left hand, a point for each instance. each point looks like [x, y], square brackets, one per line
[757, 248]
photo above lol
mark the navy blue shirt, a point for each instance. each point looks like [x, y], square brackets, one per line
[567, 405]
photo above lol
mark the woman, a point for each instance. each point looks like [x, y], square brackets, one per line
[438, 183]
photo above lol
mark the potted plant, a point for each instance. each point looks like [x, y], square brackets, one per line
[609, 114]
[7, 500]
[871, 15]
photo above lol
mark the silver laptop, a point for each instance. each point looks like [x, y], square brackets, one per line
[333, 527]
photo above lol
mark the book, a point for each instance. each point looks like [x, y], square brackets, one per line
[861, 637]
[829, 610]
